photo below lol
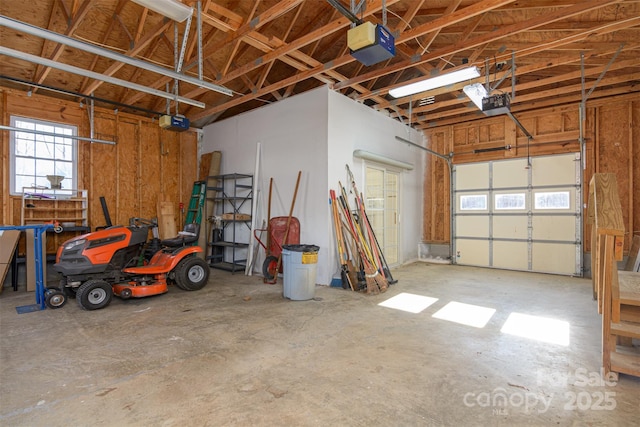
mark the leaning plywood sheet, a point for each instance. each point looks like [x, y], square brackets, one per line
[8, 242]
[209, 208]
[166, 220]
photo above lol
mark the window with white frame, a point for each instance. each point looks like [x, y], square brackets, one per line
[510, 201]
[553, 200]
[43, 148]
[475, 202]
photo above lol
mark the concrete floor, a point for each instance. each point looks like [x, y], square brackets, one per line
[236, 354]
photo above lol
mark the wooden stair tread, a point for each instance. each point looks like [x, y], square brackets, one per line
[629, 285]
[626, 329]
[625, 363]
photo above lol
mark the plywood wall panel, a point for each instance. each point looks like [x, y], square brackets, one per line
[45, 108]
[189, 166]
[128, 161]
[170, 164]
[635, 166]
[103, 181]
[436, 200]
[150, 166]
[130, 175]
[614, 140]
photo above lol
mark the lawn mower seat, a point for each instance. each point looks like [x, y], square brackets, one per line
[186, 237]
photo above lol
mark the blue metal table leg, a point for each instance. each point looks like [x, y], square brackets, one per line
[40, 259]
[39, 276]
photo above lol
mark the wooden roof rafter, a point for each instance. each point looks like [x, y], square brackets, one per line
[530, 50]
[497, 34]
[267, 16]
[74, 18]
[265, 51]
[373, 7]
[105, 37]
[134, 51]
[523, 70]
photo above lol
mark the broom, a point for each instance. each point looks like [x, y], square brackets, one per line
[342, 253]
[371, 274]
[374, 257]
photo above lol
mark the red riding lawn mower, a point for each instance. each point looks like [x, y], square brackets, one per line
[122, 261]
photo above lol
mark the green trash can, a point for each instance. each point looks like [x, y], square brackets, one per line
[300, 264]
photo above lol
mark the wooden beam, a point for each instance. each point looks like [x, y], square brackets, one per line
[372, 7]
[105, 37]
[270, 14]
[484, 38]
[131, 52]
[71, 28]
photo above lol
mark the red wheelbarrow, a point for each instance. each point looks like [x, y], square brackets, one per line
[276, 230]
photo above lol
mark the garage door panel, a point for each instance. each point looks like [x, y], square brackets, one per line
[531, 220]
[472, 176]
[510, 174]
[554, 227]
[472, 252]
[554, 258]
[510, 227]
[553, 170]
[510, 255]
[544, 200]
[472, 226]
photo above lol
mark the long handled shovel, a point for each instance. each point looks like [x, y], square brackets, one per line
[286, 231]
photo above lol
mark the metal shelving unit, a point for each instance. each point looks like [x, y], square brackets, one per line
[229, 239]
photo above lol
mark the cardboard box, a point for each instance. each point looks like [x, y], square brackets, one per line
[236, 217]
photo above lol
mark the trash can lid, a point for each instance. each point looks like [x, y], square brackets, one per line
[301, 248]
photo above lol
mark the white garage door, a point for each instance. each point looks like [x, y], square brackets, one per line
[518, 216]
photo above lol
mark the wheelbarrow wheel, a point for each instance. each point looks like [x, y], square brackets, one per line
[269, 267]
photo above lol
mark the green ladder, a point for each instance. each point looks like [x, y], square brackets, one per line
[196, 203]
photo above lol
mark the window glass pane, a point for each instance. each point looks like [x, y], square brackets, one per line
[45, 128]
[24, 181]
[24, 147]
[45, 167]
[553, 200]
[64, 152]
[64, 169]
[510, 201]
[473, 203]
[45, 149]
[34, 156]
[25, 166]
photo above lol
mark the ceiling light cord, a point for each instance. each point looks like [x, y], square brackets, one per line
[384, 13]
[424, 49]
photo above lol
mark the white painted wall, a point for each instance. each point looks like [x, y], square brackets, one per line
[316, 133]
[354, 126]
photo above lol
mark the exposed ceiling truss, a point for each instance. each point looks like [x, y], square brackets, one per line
[264, 51]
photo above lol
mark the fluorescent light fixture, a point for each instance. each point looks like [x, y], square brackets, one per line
[436, 82]
[476, 92]
[173, 9]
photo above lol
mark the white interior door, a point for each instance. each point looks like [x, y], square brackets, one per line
[381, 198]
[519, 215]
